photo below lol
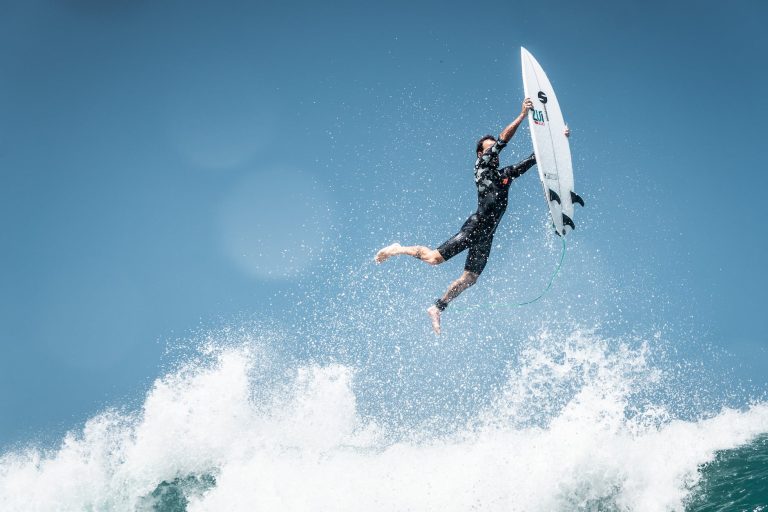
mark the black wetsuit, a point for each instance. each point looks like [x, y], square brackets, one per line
[492, 192]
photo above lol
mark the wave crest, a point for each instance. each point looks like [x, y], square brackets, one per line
[578, 425]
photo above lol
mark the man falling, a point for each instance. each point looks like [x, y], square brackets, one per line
[477, 232]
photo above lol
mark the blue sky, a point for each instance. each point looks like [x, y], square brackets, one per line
[168, 166]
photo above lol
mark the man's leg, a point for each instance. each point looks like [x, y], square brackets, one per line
[447, 250]
[476, 260]
[425, 254]
[466, 280]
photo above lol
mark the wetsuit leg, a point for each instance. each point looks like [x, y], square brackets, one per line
[478, 255]
[461, 240]
[454, 245]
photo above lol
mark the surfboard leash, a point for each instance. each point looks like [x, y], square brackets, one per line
[551, 279]
[531, 301]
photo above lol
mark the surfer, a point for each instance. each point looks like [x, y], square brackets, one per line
[477, 232]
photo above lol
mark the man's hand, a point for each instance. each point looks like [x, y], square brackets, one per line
[510, 130]
[567, 131]
[527, 105]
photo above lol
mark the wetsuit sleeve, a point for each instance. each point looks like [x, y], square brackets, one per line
[514, 171]
[492, 151]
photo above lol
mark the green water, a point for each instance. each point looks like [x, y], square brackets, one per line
[737, 480]
[173, 496]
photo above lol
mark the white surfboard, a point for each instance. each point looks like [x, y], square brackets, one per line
[553, 154]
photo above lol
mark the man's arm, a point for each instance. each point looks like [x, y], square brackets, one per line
[517, 170]
[510, 130]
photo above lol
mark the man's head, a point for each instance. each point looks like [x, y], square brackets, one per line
[485, 142]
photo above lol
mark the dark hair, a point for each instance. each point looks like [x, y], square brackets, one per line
[483, 139]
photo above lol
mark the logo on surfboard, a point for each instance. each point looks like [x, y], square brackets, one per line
[543, 99]
[538, 117]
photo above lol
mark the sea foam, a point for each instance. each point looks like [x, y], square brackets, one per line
[576, 426]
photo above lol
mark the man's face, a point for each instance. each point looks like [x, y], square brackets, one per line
[486, 145]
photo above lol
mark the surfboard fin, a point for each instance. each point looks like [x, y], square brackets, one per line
[567, 221]
[554, 197]
[576, 198]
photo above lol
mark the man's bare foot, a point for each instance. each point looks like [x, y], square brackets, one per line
[387, 252]
[434, 315]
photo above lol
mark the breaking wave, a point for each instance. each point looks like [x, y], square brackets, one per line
[579, 422]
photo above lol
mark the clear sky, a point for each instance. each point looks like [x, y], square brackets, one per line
[168, 166]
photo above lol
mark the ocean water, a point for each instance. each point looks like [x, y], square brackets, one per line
[578, 421]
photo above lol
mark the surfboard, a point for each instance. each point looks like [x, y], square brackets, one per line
[553, 153]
